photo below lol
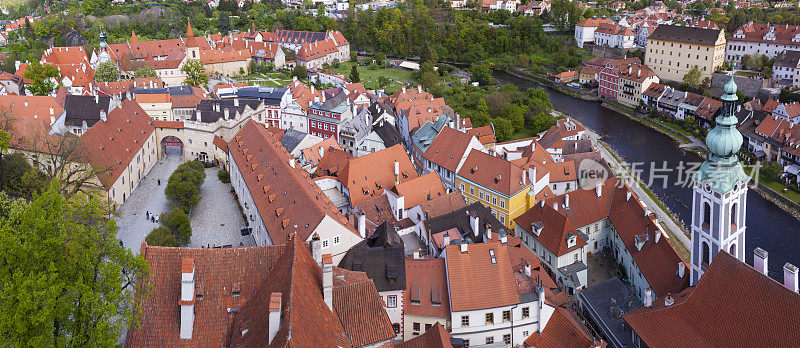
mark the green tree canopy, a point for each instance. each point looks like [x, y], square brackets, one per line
[195, 73]
[482, 73]
[178, 224]
[106, 72]
[183, 185]
[161, 236]
[354, 77]
[66, 279]
[503, 129]
[692, 78]
[145, 71]
[41, 78]
[299, 71]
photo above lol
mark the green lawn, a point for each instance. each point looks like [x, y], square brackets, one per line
[780, 188]
[745, 73]
[369, 77]
[522, 134]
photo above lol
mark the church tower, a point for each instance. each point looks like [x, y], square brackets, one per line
[720, 193]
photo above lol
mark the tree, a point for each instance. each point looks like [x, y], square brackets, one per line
[383, 81]
[161, 236]
[515, 114]
[354, 77]
[482, 73]
[183, 185]
[41, 76]
[106, 72]
[195, 73]
[223, 22]
[5, 141]
[503, 129]
[771, 171]
[18, 178]
[145, 71]
[692, 78]
[66, 279]
[177, 222]
[299, 71]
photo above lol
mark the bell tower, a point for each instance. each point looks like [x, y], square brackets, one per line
[719, 201]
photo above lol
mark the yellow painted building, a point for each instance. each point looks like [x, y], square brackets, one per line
[497, 184]
[673, 50]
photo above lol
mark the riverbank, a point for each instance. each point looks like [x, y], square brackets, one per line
[560, 87]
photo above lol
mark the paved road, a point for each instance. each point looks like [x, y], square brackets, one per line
[216, 221]
[149, 196]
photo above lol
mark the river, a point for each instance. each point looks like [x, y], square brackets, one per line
[768, 226]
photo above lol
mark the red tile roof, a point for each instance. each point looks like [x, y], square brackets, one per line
[31, 115]
[168, 124]
[447, 203]
[435, 337]
[425, 277]
[556, 228]
[562, 331]
[334, 162]
[593, 22]
[731, 305]
[448, 148]
[420, 189]
[367, 176]
[493, 173]
[301, 202]
[113, 144]
[496, 287]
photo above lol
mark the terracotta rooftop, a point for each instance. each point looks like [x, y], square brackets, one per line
[285, 196]
[367, 176]
[426, 283]
[732, 305]
[448, 148]
[493, 173]
[420, 189]
[435, 337]
[495, 288]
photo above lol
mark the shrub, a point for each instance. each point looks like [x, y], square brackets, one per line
[183, 186]
[161, 236]
[224, 176]
[177, 222]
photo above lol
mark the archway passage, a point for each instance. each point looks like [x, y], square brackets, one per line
[172, 146]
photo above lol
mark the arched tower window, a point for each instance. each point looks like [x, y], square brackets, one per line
[706, 215]
[706, 253]
[732, 251]
[733, 213]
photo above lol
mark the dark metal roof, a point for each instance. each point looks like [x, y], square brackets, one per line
[80, 108]
[291, 138]
[388, 134]
[381, 256]
[460, 219]
[211, 113]
[270, 95]
[682, 34]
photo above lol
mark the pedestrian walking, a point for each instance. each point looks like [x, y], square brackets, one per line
[147, 215]
[152, 219]
[159, 182]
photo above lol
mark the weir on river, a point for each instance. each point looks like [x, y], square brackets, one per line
[768, 226]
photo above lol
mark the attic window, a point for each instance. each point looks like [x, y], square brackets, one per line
[415, 294]
[436, 296]
[491, 256]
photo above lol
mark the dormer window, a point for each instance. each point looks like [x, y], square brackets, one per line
[572, 240]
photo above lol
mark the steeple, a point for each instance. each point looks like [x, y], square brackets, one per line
[722, 166]
[719, 193]
[189, 31]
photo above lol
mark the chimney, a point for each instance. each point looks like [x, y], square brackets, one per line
[291, 160]
[199, 118]
[628, 195]
[416, 254]
[103, 116]
[321, 152]
[566, 202]
[790, 276]
[760, 259]
[236, 102]
[463, 247]
[52, 120]
[598, 189]
[51, 111]
[396, 172]
[473, 222]
[362, 225]
[504, 239]
[404, 89]
[446, 240]
[274, 315]
[419, 88]
[648, 297]
[681, 269]
[658, 235]
[555, 206]
[327, 280]
[316, 249]
[187, 299]
[227, 114]
[488, 233]
[527, 269]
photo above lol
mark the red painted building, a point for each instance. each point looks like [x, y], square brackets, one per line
[324, 117]
[608, 82]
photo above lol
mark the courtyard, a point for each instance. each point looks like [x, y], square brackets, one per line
[216, 221]
[601, 267]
